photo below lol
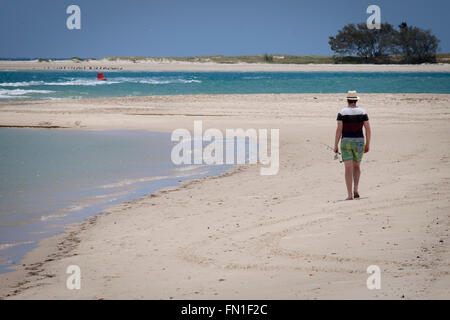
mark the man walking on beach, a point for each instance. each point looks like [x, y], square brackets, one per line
[350, 122]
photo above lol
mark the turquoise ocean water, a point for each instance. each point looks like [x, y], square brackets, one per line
[20, 85]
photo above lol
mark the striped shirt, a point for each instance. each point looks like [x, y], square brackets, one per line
[353, 121]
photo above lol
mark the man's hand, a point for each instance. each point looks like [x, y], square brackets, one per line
[336, 149]
[366, 148]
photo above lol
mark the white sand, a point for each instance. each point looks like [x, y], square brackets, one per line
[249, 236]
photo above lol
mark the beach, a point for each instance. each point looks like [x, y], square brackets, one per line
[173, 65]
[242, 235]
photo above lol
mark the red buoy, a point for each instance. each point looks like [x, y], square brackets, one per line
[100, 76]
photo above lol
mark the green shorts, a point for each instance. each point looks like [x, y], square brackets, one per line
[352, 149]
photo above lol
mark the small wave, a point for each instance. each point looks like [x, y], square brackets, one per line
[190, 81]
[127, 182]
[64, 212]
[153, 81]
[110, 195]
[22, 84]
[4, 246]
[160, 80]
[2, 96]
[75, 208]
[52, 216]
[15, 93]
[188, 168]
[80, 82]
[255, 78]
[64, 98]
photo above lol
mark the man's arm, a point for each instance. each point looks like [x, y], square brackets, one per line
[368, 134]
[338, 136]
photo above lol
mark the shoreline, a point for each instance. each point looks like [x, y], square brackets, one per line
[176, 66]
[32, 266]
[121, 188]
[248, 236]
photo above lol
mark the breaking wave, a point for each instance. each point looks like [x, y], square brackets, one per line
[4, 246]
[95, 82]
[22, 84]
[17, 93]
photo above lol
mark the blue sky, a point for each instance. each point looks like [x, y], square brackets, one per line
[30, 28]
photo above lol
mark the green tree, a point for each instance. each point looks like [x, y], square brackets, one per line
[268, 58]
[416, 45]
[373, 45]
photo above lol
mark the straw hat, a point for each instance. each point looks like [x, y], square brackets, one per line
[351, 95]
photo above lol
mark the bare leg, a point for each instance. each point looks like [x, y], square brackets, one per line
[349, 177]
[356, 175]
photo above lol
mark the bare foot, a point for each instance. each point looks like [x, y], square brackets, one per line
[356, 194]
[349, 198]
